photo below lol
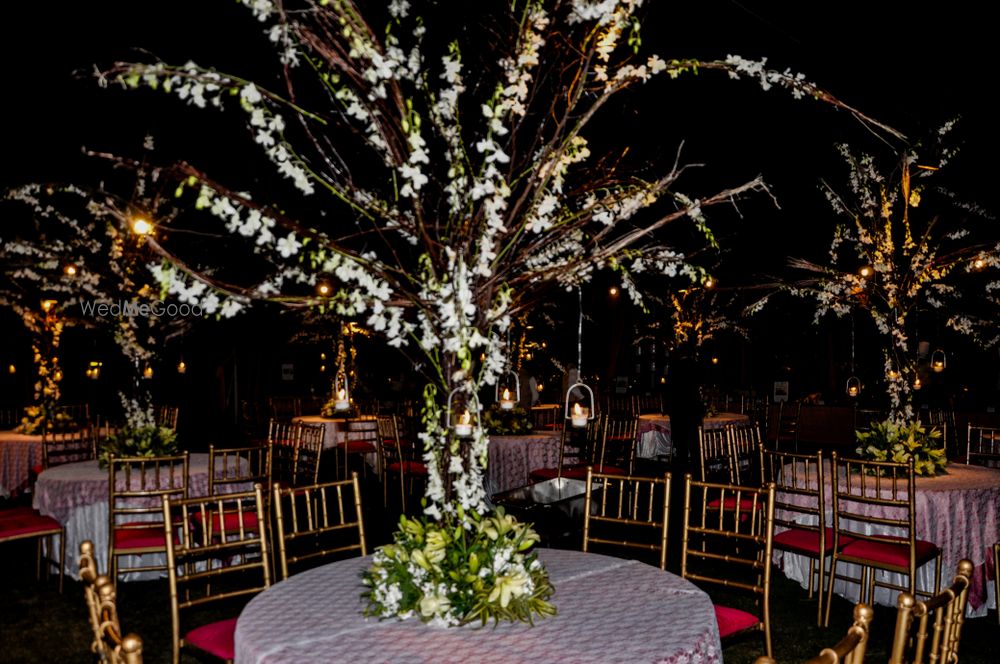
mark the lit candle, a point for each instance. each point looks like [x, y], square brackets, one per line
[341, 402]
[852, 391]
[463, 428]
[506, 403]
[580, 414]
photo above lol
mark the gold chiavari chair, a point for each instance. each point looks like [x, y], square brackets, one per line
[800, 513]
[982, 446]
[616, 452]
[850, 649]
[21, 523]
[874, 506]
[397, 461]
[78, 413]
[10, 417]
[67, 447]
[166, 416]
[318, 521]
[731, 553]
[135, 488]
[234, 469]
[283, 409]
[99, 591]
[713, 451]
[360, 440]
[650, 403]
[909, 643]
[746, 454]
[785, 426]
[210, 563]
[638, 505]
[310, 444]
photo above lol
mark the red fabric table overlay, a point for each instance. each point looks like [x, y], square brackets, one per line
[960, 512]
[609, 610]
[76, 495]
[512, 458]
[19, 453]
[654, 431]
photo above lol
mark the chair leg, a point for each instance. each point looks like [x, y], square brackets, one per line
[62, 559]
[38, 559]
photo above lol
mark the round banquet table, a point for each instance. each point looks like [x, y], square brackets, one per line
[654, 431]
[338, 429]
[19, 453]
[960, 512]
[512, 458]
[76, 495]
[609, 610]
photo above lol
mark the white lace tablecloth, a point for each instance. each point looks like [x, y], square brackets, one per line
[609, 610]
[654, 432]
[76, 495]
[960, 512]
[19, 452]
[512, 458]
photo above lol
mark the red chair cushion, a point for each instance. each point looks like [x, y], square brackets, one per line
[140, 538]
[888, 553]
[217, 638]
[37, 469]
[412, 467]
[542, 474]
[231, 519]
[24, 510]
[24, 524]
[732, 621]
[807, 541]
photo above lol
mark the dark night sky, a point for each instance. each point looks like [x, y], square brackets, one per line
[911, 68]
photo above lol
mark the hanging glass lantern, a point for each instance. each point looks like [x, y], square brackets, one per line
[341, 392]
[504, 396]
[853, 386]
[94, 370]
[462, 415]
[581, 410]
[917, 384]
[938, 361]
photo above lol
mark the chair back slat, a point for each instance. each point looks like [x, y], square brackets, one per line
[234, 468]
[746, 454]
[68, 447]
[983, 446]
[99, 593]
[714, 455]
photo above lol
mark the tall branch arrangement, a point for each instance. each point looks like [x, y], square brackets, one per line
[905, 246]
[439, 185]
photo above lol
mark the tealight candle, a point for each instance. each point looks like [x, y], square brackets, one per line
[579, 416]
[506, 403]
[341, 402]
[463, 428]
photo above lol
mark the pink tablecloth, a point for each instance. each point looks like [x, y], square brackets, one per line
[610, 610]
[76, 495]
[960, 512]
[654, 431]
[512, 458]
[19, 452]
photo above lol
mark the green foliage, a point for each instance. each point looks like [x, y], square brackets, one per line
[139, 441]
[507, 422]
[451, 575]
[899, 442]
[38, 419]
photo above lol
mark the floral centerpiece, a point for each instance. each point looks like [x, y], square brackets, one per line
[141, 436]
[901, 441]
[453, 575]
[509, 422]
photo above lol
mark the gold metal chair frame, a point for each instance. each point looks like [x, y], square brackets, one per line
[982, 446]
[801, 477]
[393, 452]
[311, 513]
[850, 649]
[68, 446]
[135, 487]
[40, 534]
[234, 466]
[294, 452]
[166, 416]
[909, 646]
[714, 452]
[207, 559]
[633, 504]
[747, 538]
[746, 454]
[884, 486]
[620, 434]
[99, 592]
